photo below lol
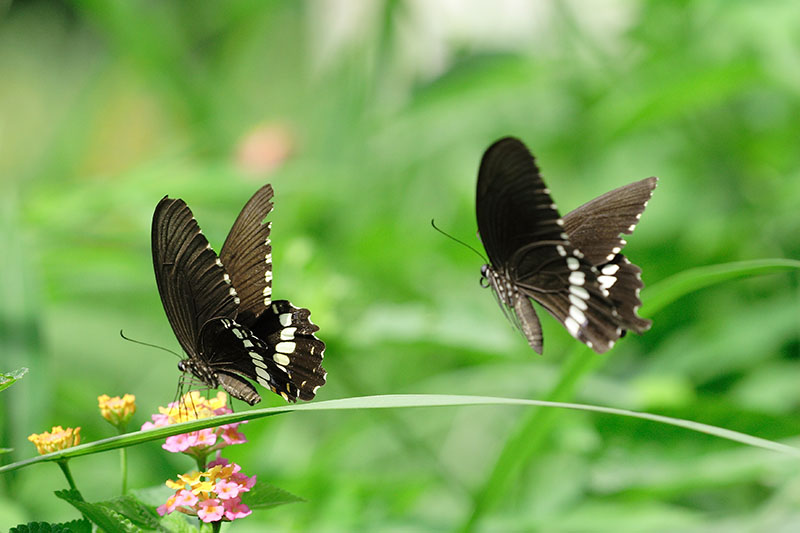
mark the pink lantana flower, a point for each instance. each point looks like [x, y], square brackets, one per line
[235, 509]
[232, 435]
[168, 507]
[185, 497]
[214, 494]
[245, 483]
[227, 489]
[210, 510]
[198, 444]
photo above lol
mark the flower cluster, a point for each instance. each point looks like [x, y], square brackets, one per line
[56, 439]
[198, 444]
[212, 495]
[118, 411]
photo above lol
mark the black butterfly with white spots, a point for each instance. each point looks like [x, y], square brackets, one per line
[572, 266]
[221, 308]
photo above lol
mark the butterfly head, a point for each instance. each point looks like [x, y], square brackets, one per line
[485, 282]
[202, 372]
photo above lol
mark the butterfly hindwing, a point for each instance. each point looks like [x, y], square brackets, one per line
[595, 227]
[290, 330]
[567, 286]
[233, 349]
[623, 280]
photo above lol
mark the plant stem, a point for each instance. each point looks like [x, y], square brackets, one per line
[123, 462]
[123, 459]
[528, 436]
[67, 474]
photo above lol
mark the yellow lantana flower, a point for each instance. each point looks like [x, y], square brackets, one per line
[118, 411]
[56, 439]
[194, 406]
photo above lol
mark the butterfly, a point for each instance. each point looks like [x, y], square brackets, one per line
[221, 307]
[571, 266]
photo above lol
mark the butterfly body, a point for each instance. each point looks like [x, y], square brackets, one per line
[221, 307]
[572, 266]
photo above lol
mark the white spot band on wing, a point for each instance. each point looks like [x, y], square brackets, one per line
[577, 278]
[285, 347]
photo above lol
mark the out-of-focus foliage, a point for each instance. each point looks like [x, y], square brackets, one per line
[369, 119]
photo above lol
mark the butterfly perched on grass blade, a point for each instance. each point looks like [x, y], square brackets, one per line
[221, 307]
[572, 266]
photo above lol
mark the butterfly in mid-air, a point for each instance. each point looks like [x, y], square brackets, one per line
[221, 307]
[571, 266]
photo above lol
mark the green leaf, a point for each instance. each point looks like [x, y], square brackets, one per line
[176, 523]
[8, 379]
[264, 495]
[153, 496]
[135, 510]
[6, 450]
[106, 519]
[75, 526]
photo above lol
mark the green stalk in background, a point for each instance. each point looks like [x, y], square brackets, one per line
[531, 432]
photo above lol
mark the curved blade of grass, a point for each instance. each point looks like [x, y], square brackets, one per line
[531, 431]
[388, 402]
[667, 291]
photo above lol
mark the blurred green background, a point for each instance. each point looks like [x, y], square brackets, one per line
[369, 119]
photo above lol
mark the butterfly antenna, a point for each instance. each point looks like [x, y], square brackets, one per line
[459, 241]
[148, 344]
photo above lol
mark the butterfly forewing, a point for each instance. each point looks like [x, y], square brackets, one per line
[190, 279]
[247, 256]
[513, 206]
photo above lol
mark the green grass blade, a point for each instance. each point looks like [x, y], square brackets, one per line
[389, 402]
[667, 291]
[531, 431]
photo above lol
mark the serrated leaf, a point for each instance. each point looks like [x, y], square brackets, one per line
[176, 523]
[135, 510]
[78, 526]
[153, 496]
[264, 495]
[75, 526]
[8, 379]
[106, 519]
